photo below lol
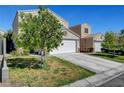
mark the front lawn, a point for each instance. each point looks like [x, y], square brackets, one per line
[116, 58]
[26, 71]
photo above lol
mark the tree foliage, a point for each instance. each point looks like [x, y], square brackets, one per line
[114, 41]
[41, 30]
[121, 40]
[110, 40]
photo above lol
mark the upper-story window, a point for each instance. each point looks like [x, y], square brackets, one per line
[86, 30]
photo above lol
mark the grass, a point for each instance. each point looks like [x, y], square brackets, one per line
[116, 58]
[26, 71]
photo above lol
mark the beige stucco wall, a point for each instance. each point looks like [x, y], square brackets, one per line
[76, 29]
[17, 19]
[98, 37]
[86, 44]
[69, 34]
[80, 30]
[72, 36]
[15, 24]
[83, 34]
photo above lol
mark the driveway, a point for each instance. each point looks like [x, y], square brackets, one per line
[105, 70]
[94, 64]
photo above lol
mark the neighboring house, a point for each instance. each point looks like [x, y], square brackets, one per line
[70, 41]
[98, 39]
[88, 42]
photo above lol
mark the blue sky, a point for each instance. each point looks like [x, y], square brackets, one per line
[101, 18]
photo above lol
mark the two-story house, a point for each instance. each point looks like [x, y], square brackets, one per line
[70, 41]
[88, 42]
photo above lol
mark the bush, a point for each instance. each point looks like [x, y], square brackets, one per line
[117, 52]
[14, 53]
[25, 52]
[20, 52]
[104, 50]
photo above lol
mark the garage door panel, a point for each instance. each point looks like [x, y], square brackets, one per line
[67, 46]
[98, 46]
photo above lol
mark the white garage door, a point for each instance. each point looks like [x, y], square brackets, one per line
[98, 46]
[67, 46]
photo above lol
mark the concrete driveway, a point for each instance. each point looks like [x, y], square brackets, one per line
[94, 64]
[105, 70]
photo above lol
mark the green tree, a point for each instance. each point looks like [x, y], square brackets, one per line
[121, 40]
[110, 41]
[41, 31]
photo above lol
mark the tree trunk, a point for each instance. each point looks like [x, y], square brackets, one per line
[43, 58]
[114, 53]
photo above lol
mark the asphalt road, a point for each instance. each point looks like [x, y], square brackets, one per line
[117, 82]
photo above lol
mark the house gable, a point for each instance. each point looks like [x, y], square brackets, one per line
[70, 34]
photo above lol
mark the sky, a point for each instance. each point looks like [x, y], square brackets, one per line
[100, 18]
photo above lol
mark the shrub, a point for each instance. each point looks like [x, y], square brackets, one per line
[25, 52]
[20, 52]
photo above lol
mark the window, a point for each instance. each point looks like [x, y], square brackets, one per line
[86, 30]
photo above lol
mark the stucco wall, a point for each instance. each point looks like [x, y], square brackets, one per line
[83, 34]
[76, 29]
[15, 24]
[86, 44]
[17, 19]
[80, 30]
[72, 36]
[69, 34]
